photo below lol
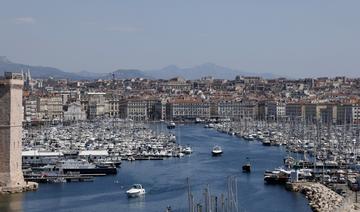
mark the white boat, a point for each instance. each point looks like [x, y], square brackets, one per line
[135, 191]
[266, 142]
[216, 150]
[171, 125]
[187, 150]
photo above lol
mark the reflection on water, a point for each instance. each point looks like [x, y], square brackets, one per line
[11, 202]
[137, 203]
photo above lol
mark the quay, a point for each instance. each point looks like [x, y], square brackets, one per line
[58, 178]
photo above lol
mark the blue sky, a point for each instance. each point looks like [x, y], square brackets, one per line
[287, 37]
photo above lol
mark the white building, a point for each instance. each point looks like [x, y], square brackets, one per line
[74, 112]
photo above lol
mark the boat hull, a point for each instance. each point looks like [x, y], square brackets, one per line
[246, 168]
[216, 153]
[134, 195]
[276, 180]
[107, 171]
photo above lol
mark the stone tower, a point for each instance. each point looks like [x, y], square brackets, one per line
[11, 116]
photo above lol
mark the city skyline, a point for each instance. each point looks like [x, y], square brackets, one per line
[179, 105]
[254, 37]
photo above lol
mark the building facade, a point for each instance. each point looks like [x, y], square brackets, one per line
[134, 109]
[276, 110]
[236, 110]
[181, 109]
[74, 112]
[50, 108]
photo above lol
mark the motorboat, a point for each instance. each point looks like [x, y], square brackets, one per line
[210, 125]
[187, 150]
[216, 151]
[278, 176]
[171, 125]
[246, 168]
[135, 191]
[266, 142]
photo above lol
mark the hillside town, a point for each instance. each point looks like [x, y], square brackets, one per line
[326, 100]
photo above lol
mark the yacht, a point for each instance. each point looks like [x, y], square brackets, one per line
[216, 151]
[135, 191]
[246, 168]
[187, 150]
[266, 142]
[171, 125]
[210, 125]
[278, 176]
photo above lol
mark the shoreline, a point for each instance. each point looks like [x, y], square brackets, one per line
[322, 198]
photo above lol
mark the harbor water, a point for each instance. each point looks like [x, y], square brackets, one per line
[165, 180]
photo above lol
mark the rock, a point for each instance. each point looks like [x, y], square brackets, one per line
[320, 197]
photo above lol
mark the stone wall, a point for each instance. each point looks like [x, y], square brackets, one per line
[11, 115]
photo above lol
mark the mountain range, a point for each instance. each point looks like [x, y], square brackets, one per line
[207, 69]
[196, 72]
[36, 71]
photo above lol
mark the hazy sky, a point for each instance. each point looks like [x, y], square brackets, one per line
[288, 37]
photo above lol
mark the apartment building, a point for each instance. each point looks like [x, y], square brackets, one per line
[96, 104]
[187, 109]
[236, 110]
[50, 108]
[134, 109]
[276, 110]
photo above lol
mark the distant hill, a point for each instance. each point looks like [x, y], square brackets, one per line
[128, 74]
[207, 69]
[91, 75]
[37, 71]
[196, 72]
